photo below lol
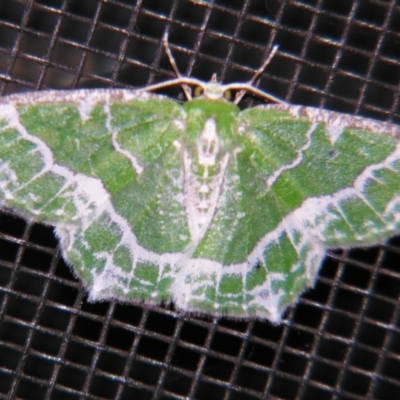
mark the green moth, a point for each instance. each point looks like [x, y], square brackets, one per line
[222, 211]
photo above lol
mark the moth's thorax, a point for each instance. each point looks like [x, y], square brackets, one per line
[211, 133]
[224, 113]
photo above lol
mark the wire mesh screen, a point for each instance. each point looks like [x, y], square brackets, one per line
[341, 341]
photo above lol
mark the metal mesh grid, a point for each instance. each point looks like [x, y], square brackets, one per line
[342, 341]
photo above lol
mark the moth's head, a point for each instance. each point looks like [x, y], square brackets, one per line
[212, 90]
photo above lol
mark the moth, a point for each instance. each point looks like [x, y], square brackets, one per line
[223, 212]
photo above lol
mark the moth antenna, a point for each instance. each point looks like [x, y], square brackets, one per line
[185, 88]
[260, 70]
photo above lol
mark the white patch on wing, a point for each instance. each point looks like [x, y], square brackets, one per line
[297, 161]
[85, 108]
[337, 124]
[114, 138]
[9, 113]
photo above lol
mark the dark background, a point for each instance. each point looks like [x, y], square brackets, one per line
[341, 341]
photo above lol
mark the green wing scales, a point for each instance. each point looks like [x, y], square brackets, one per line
[222, 211]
